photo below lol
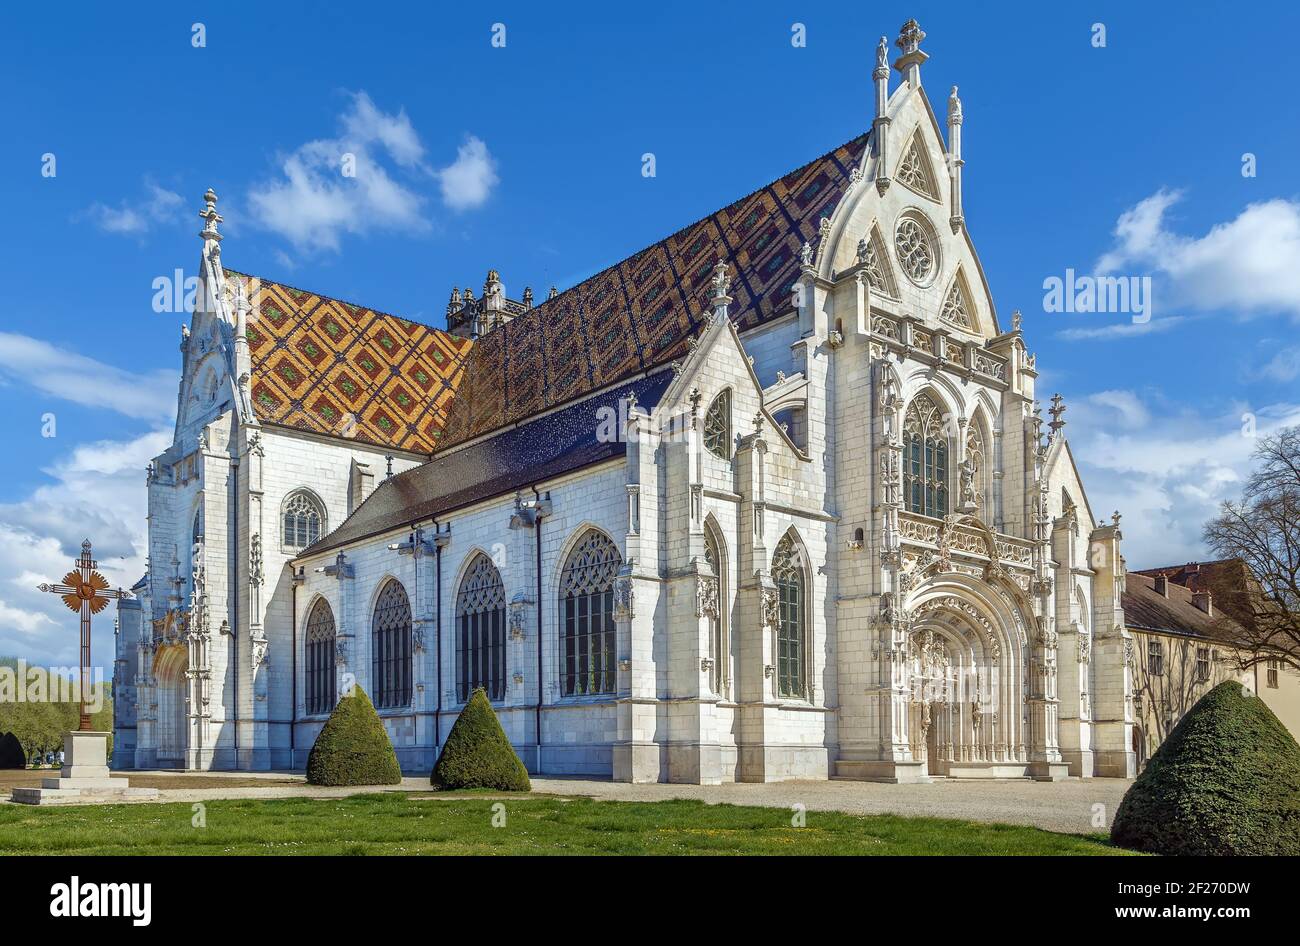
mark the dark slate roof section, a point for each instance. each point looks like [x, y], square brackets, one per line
[1147, 609]
[541, 449]
[642, 312]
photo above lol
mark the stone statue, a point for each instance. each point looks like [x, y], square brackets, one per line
[806, 254]
[882, 55]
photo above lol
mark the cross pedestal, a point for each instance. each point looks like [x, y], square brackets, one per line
[85, 775]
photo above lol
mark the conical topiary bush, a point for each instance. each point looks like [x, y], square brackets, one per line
[1226, 781]
[353, 748]
[11, 752]
[477, 753]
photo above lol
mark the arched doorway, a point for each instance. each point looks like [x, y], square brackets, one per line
[964, 686]
[172, 693]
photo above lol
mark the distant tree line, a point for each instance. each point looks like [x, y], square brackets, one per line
[40, 726]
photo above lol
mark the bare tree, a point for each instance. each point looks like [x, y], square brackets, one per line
[1260, 536]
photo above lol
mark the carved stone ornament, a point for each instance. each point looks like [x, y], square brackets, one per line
[771, 609]
[706, 596]
[624, 599]
[1085, 647]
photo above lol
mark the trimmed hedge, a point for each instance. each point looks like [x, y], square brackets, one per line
[477, 753]
[1226, 781]
[11, 752]
[353, 748]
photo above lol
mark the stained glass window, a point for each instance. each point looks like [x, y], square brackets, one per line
[321, 684]
[587, 617]
[303, 520]
[391, 641]
[791, 584]
[481, 631]
[925, 459]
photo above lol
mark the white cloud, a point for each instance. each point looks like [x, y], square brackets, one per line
[71, 377]
[1284, 366]
[1247, 265]
[137, 217]
[468, 181]
[1166, 468]
[1121, 329]
[313, 203]
[95, 492]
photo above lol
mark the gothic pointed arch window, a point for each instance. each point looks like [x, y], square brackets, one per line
[713, 597]
[791, 578]
[717, 426]
[925, 458]
[588, 664]
[481, 631]
[321, 640]
[302, 519]
[391, 647]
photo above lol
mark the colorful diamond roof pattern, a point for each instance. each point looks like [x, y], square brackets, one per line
[330, 367]
[641, 312]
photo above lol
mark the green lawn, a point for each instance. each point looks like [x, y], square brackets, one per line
[394, 823]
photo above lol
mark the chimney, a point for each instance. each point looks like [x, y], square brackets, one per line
[1204, 601]
[1162, 586]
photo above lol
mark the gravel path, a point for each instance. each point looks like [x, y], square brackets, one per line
[1057, 806]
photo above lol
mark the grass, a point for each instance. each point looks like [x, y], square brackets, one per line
[396, 823]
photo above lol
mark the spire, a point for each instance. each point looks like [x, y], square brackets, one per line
[909, 42]
[955, 162]
[210, 217]
[718, 293]
[880, 127]
[1057, 409]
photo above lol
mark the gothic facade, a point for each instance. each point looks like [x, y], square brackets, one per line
[772, 498]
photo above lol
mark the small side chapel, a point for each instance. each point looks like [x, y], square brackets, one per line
[827, 533]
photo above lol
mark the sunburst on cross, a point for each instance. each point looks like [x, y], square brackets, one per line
[86, 591]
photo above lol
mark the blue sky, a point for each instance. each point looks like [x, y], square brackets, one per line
[527, 158]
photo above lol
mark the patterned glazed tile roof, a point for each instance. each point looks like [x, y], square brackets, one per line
[331, 367]
[561, 442]
[642, 312]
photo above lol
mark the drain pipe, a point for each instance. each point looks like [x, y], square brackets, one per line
[437, 633]
[537, 531]
[295, 578]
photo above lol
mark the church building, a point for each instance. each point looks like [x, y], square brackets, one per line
[772, 498]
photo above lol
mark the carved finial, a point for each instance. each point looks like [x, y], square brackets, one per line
[1057, 409]
[909, 39]
[720, 291]
[552, 294]
[528, 297]
[210, 217]
[954, 107]
[1017, 320]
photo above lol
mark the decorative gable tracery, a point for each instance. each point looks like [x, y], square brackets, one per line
[875, 263]
[957, 307]
[914, 170]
